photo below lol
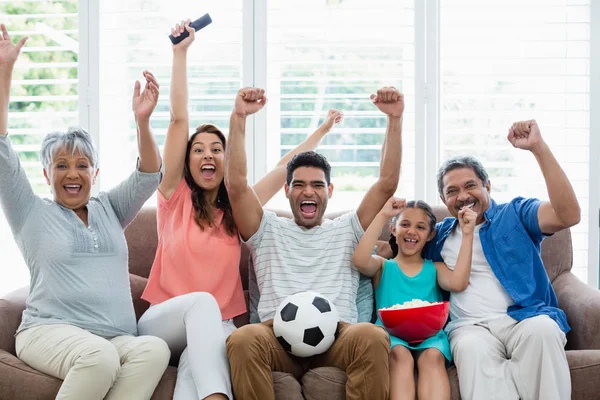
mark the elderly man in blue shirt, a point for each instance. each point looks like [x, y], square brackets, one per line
[506, 331]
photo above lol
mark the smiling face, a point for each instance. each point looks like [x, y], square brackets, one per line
[308, 193]
[71, 177]
[205, 160]
[412, 231]
[462, 187]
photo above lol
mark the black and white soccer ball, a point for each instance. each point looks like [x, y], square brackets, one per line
[305, 324]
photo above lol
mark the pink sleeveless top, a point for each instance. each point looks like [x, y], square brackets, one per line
[189, 259]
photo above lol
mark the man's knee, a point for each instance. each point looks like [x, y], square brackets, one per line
[369, 334]
[469, 345]
[542, 329]
[247, 340]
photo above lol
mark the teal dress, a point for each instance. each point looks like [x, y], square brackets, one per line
[395, 288]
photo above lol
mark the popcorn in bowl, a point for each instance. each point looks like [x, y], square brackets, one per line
[410, 304]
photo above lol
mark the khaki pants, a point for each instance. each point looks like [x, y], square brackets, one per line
[125, 367]
[361, 350]
[504, 359]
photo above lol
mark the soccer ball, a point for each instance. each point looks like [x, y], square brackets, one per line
[305, 324]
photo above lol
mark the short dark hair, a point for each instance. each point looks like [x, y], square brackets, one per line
[413, 204]
[308, 159]
[461, 162]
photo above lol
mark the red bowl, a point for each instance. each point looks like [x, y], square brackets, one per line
[415, 324]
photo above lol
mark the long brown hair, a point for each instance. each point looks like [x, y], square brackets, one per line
[202, 210]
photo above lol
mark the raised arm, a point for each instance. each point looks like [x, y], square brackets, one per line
[8, 56]
[562, 211]
[129, 196]
[271, 183]
[457, 280]
[245, 205]
[391, 102]
[364, 260]
[143, 105]
[178, 132]
[16, 194]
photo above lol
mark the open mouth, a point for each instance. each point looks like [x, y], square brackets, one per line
[469, 204]
[410, 242]
[208, 171]
[308, 208]
[72, 190]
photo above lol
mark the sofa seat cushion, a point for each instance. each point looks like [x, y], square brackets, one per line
[324, 383]
[19, 381]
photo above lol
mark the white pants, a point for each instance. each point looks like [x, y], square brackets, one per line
[192, 326]
[125, 367]
[504, 359]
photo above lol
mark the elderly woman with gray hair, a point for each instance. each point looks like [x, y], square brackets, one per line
[79, 324]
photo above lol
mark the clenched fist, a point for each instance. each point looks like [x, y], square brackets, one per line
[525, 135]
[249, 101]
[390, 101]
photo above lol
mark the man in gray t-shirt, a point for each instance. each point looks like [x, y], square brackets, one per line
[308, 253]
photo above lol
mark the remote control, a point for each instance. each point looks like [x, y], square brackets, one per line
[197, 25]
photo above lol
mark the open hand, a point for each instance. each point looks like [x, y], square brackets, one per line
[525, 135]
[467, 219]
[143, 103]
[394, 206]
[390, 101]
[249, 101]
[179, 29]
[9, 51]
[334, 117]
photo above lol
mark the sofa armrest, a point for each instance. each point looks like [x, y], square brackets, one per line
[11, 310]
[581, 303]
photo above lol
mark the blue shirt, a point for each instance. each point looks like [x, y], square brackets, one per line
[511, 239]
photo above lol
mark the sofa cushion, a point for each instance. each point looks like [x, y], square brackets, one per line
[138, 284]
[142, 241]
[324, 383]
[11, 310]
[19, 381]
[286, 387]
[585, 370]
[166, 385]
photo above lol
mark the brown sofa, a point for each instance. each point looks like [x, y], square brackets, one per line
[579, 301]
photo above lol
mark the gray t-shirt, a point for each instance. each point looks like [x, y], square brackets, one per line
[288, 258]
[79, 274]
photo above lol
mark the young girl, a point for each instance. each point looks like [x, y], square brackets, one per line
[408, 276]
[195, 287]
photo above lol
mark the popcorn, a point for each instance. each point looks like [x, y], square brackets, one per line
[410, 304]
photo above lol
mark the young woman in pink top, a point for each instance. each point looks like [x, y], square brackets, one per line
[194, 286]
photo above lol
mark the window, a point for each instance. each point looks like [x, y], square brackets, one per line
[310, 56]
[133, 39]
[334, 54]
[536, 66]
[44, 97]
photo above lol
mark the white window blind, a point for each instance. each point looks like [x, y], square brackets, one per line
[334, 54]
[44, 97]
[134, 38]
[507, 61]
